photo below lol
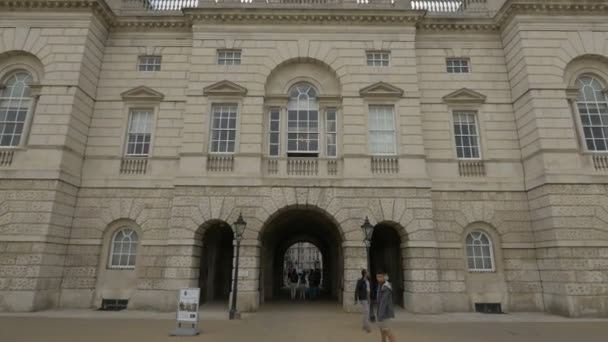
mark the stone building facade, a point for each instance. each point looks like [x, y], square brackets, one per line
[472, 134]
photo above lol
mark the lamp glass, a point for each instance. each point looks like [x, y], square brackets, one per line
[239, 226]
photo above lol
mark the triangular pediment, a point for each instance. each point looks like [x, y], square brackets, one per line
[465, 95]
[381, 89]
[142, 93]
[225, 88]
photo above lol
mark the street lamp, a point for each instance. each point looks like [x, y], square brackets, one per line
[239, 229]
[368, 231]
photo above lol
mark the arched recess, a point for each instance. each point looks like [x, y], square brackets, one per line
[216, 258]
[585, 64]
[118, 280]
[294, 224]
[296, 70]
[485, 284]
[386, 254]
[15, 60]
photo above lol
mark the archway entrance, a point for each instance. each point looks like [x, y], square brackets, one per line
[385, 254]
[300, 225]
[216, 263]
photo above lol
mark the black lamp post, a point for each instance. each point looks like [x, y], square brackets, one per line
[239, 229]
[368, 230]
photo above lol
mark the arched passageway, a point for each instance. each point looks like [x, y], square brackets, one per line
[385, 254]
[216, 263]
[294, 225]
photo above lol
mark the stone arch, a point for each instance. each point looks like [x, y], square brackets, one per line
[28, 40]
[294, 70]
[387, 254]
[295, 223]
[117, 283]
[471, 213]
[214, 254]
[21, 60]
[586, 64]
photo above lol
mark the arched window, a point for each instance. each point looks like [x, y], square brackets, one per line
[124, 249]
[303, 120]
[480, 256]
[15, 103]
[592, 105]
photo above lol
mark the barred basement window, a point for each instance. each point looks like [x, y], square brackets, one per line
[124, 249]
[458, 65]
[15, 103]
[480, 256]
[140, 133]
[382, 130]
[592, 105]
[466, 135]
[148, 63]
[378, 58]
[223, 128]
[229, 57]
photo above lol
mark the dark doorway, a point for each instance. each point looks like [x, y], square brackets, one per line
[216, 263]
[385, 254]
[295, 225]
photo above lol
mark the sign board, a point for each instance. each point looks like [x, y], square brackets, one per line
[187, 307]
[187, 312]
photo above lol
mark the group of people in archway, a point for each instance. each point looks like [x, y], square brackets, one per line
[305, 284]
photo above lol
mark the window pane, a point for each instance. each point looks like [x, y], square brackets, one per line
[382, 129]
[223, 131]
[592, 105]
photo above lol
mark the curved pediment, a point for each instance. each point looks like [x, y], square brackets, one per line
[464, 95]
[381, 89]
[142, 93]
[225, 88]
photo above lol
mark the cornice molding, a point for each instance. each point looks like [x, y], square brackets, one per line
[530, 7]
[98, 7]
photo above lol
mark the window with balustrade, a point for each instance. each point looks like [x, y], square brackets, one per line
[139, 134]
[223, 128]
[382, 130]
[592, 105]
[466, 135]
[16, 102]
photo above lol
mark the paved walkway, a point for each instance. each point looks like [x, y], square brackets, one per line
[303, 322]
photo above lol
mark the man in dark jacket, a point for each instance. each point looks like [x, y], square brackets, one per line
[362, 295]
[385, 307]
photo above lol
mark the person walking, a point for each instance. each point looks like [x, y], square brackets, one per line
[385, 307]
[303, 286]
[363, 296]
[293, 282]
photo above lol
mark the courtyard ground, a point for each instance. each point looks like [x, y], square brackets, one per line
[301, 322]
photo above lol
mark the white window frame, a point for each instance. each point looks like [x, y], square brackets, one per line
[277, 111]
[314, 107]
[378, 58]
[332, 132]
[458, 65]
[233, 59]
[603, 126]
[131, 256]
[30, 110]
[393, 131]
[149, 63]
[477, 136]
[150, 112]
[474, 257]
[212, 128]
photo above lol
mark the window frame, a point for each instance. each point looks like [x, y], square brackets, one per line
[579, 120]
[140, 64]
[233, 59]
[130, 110]
[227, 102]
[395, 129]
[270, 110]
[320, 141]
[326, 131]
[34, 96]
[461, 67]
[480, 143]
[374, 61]
[111, 252]
[490, 246]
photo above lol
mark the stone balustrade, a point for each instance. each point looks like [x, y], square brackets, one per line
[303, 167]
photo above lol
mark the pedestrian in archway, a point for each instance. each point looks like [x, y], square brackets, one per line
[303, 286]
[316, 283]
[363, 296]
[293, 282]
[385, 307]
